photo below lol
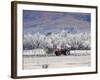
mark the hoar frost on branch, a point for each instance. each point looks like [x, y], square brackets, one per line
[78, 41]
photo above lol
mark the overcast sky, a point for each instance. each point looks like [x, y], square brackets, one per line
[47, 21]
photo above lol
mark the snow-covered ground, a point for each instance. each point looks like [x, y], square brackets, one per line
[41, 52]
[34, 52]
[75, 59]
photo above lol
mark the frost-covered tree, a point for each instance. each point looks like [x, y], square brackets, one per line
[53, 40]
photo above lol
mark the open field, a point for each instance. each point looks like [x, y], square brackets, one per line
[77, 58]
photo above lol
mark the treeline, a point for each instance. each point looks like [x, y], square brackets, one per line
[50, 41]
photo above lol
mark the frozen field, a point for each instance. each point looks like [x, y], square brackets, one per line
[77, 58]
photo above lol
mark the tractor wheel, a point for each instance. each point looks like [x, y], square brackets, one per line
[57, 53]
[68, 52]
